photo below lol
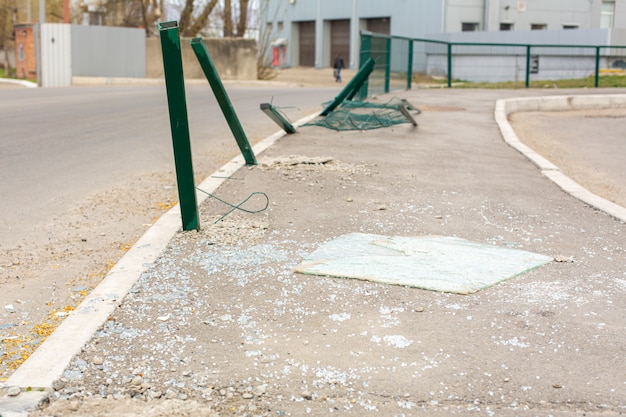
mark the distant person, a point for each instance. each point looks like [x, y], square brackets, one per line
[338, 65]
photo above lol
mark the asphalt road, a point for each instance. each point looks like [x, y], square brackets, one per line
[58, 145]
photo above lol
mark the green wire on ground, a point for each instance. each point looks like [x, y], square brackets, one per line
[238, 206]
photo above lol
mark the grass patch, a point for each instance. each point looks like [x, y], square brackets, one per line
[419, 78]
[607, 81]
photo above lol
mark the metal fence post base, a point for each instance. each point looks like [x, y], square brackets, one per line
[179, 123]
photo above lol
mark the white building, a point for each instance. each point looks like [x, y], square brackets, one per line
[311, 32]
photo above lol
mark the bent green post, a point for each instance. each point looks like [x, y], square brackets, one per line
[278, 118]
[208, 67]
[179, 123]
[352, 87]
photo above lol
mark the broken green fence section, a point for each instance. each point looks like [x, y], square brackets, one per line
[179, 123]
[204, 58]
[359, 115]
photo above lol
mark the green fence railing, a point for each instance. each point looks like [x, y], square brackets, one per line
[398, 59]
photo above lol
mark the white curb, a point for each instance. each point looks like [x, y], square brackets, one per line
[559, 103]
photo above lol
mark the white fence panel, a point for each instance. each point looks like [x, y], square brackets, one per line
[56, 55]
[104, 51]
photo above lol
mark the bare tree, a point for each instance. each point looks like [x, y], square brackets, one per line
[264, 67]
[242, 24]
[8, 13]
[238, 12]
[193, 20]
[191, 25]
[202, 20]
[125, 13]
[228, 19]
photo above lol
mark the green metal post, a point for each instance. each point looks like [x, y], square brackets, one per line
[278, 118]
[177, 103]
[204, 58]
[409, 70]
[527, 66]
[597, 78]
[366, 47]
[449, 65]
[352, 87]
[387, 63]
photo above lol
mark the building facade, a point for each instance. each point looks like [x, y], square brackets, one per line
[25, 57]
[312, 32]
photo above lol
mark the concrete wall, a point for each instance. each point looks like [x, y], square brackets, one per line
[235, 59]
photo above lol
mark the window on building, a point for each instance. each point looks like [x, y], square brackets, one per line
[379, 25]
[538, 26]
[570, 25]
[268, 27]
[280, 27]
[469, 27]
[606, 14]
[506, 26]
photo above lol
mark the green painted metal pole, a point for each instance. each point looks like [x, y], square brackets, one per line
[409, 70]
[527, 66]
[449, 65]
[597, 77]
[352, 87]
[177, 103]
[366, 47]
[204, 58]
[387, 63]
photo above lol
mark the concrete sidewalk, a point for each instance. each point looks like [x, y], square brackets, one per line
[220, 324]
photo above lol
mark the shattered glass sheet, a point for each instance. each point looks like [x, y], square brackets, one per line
[435, 263]
[360, 115]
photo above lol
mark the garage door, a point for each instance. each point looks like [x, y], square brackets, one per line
[307, 43]
[340, 40]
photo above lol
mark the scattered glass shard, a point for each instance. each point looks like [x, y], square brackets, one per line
[436, 263]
